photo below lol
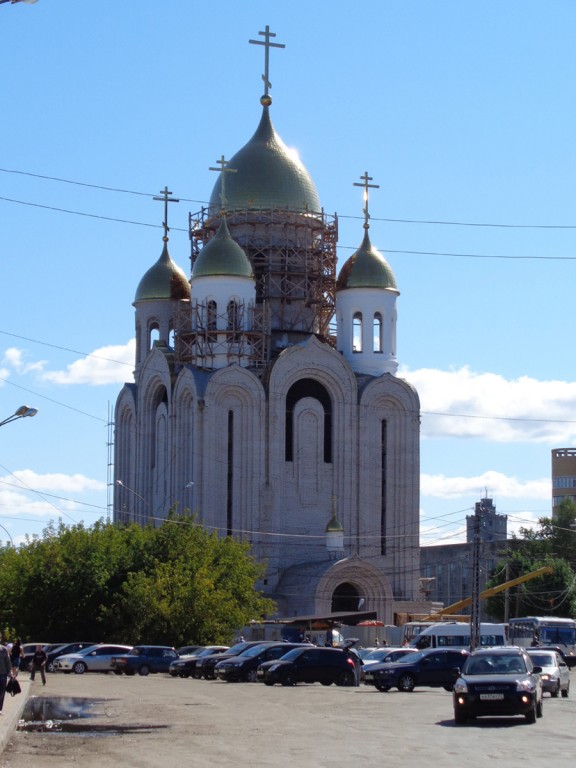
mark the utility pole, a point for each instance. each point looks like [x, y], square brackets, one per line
[475, 613]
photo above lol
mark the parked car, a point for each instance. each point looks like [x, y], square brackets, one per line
[52, 652]
[555, 673]
[185, 666]
[96, 658]
[371, 665]
[188, 650]
[569, 658]
[498, 681]
[310, 664]
[434, 667]
[144, 659]
[245, 666]
[205, 665]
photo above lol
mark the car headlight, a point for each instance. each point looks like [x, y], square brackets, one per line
[460, 686]
[525, 685]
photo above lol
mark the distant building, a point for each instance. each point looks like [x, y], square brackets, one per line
[493, 527]
[563, 476]
[447, 568]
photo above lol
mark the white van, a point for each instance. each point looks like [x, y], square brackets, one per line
[447, 635]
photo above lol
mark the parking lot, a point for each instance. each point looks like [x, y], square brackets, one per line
[162, 721]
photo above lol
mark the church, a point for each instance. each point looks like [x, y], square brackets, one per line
[265, 397]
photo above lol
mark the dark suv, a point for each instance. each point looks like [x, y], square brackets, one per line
[434, 667]
[245, 666]
[310, 664]
[498, 681]
[145, 659]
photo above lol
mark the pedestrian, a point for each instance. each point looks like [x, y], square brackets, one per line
[16, 656]
[5, 672]
[38, 664]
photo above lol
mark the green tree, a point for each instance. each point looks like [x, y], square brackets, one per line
[552, 543]
[173, 584]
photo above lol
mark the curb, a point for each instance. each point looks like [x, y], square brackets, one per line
[13, 706]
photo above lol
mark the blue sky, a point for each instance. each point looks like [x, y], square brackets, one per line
[463, 113]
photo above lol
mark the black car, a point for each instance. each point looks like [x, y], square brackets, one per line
[245, 666]
[310, 664]
[205, 665]
[371, 669]
[434, 667]
[143, 659]
[498, 681]
[185, 666]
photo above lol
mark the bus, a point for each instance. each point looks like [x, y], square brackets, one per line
[455, 635]
[532, 631]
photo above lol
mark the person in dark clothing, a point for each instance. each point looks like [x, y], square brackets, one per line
[38, 664]
[16, 656]
[5, 672]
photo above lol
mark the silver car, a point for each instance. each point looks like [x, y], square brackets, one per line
[555, 673]
[96, 658]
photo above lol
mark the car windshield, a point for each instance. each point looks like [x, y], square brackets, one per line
[207, 652]
[254, 650]
[544, 659]
[293, 654]
[237, 649]
[377, 655]
[498, 664]
[410, 658]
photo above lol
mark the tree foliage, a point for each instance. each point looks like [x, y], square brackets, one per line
[174, 584]
[552, 543]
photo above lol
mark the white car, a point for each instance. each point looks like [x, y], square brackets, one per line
[555, 673]
[96, 658]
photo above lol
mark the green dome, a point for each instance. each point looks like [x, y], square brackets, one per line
[268, 175]
[164, 280]
[334, 525]
[222, 256]
[366, 268]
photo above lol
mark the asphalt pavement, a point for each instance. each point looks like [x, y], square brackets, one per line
[163, 722]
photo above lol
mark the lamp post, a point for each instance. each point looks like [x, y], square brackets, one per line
[8, 532]
[138, 496]
[24, 410]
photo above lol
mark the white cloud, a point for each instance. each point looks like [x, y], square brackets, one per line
[15, 359]
[462, 403]
[499, 486]
[107, 365]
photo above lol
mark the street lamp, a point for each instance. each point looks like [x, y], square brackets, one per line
[8, 532]
[138, 496]
[24, 410]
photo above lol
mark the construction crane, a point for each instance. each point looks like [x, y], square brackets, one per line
[456, 607]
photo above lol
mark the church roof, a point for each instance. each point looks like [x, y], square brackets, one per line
[222, 256]
[267, 175]
[164, 280]
[366, 268]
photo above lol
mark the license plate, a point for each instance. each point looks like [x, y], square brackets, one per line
[491, 696]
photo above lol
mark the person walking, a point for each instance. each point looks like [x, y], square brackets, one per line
[5, 672]
[38, 664]
[16, 656]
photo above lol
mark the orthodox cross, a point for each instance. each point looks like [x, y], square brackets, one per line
[223, 171]
[167, 199]
[267, 45]
[366, 186]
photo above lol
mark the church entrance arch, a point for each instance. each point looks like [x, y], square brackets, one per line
[346, 599]
[352, 585]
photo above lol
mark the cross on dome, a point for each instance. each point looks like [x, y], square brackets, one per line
[266, 100]
[365, 178]
[167, 199]
[223, 171]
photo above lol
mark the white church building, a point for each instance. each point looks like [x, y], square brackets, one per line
[265, 397]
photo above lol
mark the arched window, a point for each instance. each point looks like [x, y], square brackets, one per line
[211, 319]
[377, 332]
[233, 324]
[357, 332]
[153, 334]
[308, 388]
